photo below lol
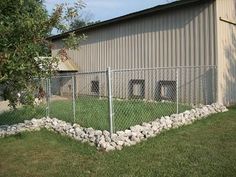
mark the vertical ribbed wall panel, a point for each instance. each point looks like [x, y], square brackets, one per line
[226, 51]
[179, 37]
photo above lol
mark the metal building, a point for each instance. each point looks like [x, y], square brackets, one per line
[185, 33]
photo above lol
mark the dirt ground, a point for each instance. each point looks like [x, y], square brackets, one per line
[4, 106]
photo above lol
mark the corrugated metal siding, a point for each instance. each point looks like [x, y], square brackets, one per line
[226, 45]
[180, 37]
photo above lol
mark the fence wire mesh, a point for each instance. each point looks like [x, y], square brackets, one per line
[143, 95]
[60, 98]
[92, 100]
[10, 116]
[134, 96]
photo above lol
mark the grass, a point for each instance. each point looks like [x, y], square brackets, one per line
[93, 112]
[21, 114]
[204, 149]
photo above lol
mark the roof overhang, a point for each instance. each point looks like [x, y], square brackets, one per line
[67, 66]
[63, 66]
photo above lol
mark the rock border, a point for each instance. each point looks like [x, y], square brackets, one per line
[116, 141]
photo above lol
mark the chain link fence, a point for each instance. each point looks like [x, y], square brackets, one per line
[117, 99]
[10, 116]
[142, 95]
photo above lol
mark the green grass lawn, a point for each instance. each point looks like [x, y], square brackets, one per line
[203, 149]
[93, 112]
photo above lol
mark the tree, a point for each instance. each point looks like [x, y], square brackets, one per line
[24, 28]
[79, 23]
[82, 21]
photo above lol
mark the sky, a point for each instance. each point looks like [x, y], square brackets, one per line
[108, 9]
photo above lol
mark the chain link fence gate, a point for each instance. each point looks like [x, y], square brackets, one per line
[117, 99]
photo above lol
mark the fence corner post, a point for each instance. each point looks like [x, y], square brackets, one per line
[110, 104]
[177, 90]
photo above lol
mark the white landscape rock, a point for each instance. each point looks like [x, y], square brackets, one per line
[116, 141]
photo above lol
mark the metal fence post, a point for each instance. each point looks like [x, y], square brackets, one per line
[48, 85]
[177, 90]
[216, 96]
[110, 105]
[73, 96]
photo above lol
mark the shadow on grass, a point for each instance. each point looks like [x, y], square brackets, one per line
[205, 148]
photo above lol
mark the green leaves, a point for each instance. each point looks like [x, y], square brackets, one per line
[72, 42]
[24, 28]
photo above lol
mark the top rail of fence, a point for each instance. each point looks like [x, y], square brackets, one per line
[174, 67]
[92, 72]
[132, 69]
[78, 73]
